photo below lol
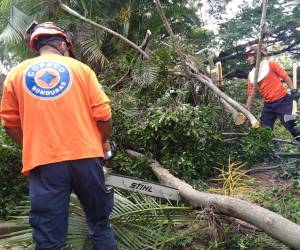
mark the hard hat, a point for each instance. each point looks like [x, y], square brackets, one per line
[37, 31]
[252, 49]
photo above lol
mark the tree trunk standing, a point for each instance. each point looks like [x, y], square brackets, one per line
[258, 52]
[271, 223]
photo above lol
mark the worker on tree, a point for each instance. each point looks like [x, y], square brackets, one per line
[277, 101]
[54, 107]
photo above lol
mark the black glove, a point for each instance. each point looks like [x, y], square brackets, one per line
[295, 94]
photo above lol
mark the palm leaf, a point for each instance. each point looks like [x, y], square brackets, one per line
[91, 48]
[144, 73]
[138, 221]
[16, 27]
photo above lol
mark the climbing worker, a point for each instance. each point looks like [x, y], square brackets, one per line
[55, 108]
[277, 101]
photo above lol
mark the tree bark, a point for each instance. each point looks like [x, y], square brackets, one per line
[271, 223]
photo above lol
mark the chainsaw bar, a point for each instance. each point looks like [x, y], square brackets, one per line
[140, 186]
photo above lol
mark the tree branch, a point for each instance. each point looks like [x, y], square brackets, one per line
[74, 13]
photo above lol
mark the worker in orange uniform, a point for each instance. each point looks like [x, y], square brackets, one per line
[55, 108]
[277, 101]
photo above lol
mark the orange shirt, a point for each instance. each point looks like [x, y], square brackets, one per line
[271, 88]
[56, 100]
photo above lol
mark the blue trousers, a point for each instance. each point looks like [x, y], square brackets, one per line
[50, 187]
[277, 109]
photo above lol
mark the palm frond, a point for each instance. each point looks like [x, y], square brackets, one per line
[4, 5]
[138, 221]
[42, 10]
[16, 27]
[91, 49]
[144, 73]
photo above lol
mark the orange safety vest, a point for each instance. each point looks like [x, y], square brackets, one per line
[57, 102]
[270, 87]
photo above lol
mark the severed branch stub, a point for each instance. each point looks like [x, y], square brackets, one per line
[238, 117]
[146, 40]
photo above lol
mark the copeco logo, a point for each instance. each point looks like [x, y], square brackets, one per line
[47, 80]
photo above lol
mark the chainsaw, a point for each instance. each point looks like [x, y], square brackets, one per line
[136, 185]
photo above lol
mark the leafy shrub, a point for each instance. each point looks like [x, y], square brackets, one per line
[255, 147]
[256, 241]
[291, 171]
[281, 199]
[13, 185]
[181, 139]
[124, 164]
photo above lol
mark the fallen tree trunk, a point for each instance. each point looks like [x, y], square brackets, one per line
[271, 223]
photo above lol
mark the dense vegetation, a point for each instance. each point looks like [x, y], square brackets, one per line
[157, 111]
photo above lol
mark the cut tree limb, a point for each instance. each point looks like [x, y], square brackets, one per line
[234, 133]
[146, 40]
[208, 82]
[238, 117]
[271, 223]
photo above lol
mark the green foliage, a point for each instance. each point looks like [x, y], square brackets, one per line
[259, 241]
[13, 185]
[255, 147]
[93, 46]
[281, 199]
[281, 132]
[125, 113]
[129, 166]
[181, 139]
[144, 73]
[291, 170]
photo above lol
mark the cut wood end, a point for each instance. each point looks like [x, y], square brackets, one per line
[146, 57]
[239, 119]
[255, 124]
